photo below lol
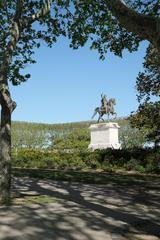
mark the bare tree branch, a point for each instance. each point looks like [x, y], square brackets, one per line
[6, 9]
[15, 32]
[43, 12]
[19, 9]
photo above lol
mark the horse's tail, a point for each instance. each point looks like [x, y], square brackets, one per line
[95, 112]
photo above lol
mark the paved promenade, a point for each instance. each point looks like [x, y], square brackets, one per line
[84, 212]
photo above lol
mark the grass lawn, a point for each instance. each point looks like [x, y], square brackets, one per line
[27, 200]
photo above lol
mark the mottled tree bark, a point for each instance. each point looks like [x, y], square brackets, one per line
[7, 107]
[5, 156]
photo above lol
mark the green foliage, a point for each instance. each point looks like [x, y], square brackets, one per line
[147, 117]
[29, 136]
[133, 164]
[131, 137]
[148, 82]
[32, 158]
[153, 162]
[36, 135]
[109, 160]
[32, 32]
[76, 139]
[93, 22]
[92, 159]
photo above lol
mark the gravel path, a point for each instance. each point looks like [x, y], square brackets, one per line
[84, 212]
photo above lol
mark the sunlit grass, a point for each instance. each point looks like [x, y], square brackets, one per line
[27, 200]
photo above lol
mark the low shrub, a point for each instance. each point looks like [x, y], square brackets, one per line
[134, 165]
[92, 159]
[153, 162]
[131, 164]
[109, 160]
[140, 169]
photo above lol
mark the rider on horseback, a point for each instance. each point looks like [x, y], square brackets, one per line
[107, 107]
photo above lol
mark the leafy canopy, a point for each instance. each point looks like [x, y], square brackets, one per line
[93, 21]
[147, 117]
[79, 20]
[148, 81]
[47, 29]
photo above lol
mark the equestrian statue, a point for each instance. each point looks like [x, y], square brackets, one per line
[107, 107]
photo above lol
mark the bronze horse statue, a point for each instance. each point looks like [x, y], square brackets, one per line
[107, 108]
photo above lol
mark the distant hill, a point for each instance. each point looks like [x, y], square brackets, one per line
[42, 135]
[62, 126]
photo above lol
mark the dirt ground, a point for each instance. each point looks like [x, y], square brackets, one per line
[126, 211]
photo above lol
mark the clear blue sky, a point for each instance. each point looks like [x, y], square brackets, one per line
[66, 84]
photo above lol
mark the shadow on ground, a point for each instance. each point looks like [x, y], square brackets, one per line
[84, 212]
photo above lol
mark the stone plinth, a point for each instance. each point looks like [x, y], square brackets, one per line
[104, 135]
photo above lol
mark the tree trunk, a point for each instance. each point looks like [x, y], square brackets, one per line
[5, 155]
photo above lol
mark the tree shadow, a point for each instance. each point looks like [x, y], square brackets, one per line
[83, 211]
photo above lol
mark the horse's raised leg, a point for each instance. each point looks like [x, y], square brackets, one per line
[95, 112]
[99, 119]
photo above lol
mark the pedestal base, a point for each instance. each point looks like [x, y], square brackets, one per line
[104, 135]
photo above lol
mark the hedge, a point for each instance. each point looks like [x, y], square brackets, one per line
[142, 160]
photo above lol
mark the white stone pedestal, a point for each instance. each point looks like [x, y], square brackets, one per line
[104, 135]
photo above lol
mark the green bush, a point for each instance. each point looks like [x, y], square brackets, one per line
[131, 164]
[134, 165]
[153, 162]
[140, 168]
[27, 158]
[92, 159]
[107, 167]
[109, 160]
